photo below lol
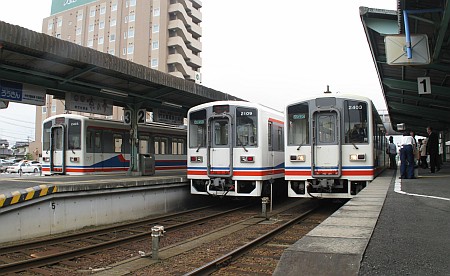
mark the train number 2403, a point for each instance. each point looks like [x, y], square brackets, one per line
[355, 107]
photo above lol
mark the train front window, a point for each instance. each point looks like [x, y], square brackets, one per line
[220, 132]
[326, 129]
[74, 137]
[197, 129]
[246, 127]
[298, 127]
[46, 136]
[355, 122]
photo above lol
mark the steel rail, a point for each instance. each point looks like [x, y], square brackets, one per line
[235, 254]
[69, 254]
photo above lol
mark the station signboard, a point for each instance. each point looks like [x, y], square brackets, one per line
[22, 93]
[89, 104]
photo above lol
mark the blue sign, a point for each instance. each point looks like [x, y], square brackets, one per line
[11, 91]
[22, 93]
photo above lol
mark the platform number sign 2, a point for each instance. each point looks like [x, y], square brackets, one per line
[141, 114]
[127, 117]
[424, 85]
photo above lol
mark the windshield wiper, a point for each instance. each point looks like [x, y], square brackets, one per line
[241, 144]
[199, 146]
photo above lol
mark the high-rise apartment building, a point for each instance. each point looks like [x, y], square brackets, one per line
[161, 34]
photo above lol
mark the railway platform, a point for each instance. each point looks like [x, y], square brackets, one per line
[393, 227]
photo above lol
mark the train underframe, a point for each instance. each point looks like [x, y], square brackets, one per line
[229, 187]
[326, 188]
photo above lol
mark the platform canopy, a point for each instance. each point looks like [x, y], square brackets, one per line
[60, 66]
[416, 89]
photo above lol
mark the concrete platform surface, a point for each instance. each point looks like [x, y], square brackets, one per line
[393, 227]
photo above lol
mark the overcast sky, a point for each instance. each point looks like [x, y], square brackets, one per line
[270, 52]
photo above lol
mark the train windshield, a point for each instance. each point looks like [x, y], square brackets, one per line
[298, 127]
[197, 129]
[246, 127]
[355, 122]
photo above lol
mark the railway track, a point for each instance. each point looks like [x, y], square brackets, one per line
[41, 256]
[250, 247]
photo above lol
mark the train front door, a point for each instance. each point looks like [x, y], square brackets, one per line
[326, 151]
[220, 147]
[57, 147]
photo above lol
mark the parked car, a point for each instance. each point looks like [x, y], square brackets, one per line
[23, 167]
[4, 164]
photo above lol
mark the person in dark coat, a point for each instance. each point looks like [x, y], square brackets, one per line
[433, 150]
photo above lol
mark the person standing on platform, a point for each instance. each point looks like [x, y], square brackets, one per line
[392, 151]
[423, 154]
[433, 150]
[407, 156]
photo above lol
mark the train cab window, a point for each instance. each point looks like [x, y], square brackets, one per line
[355, 122]
[118, 143]
[246, 127]
[298, 124]
[74, 137]
[197, 129]
[46, 136]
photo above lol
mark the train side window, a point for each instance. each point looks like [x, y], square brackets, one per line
[355, 122]
[269, 133]
[177, 146]
[197, 129]
[118, 143]
[108, 141]
[298, 124]
[98, 141]
[143, 144]
[46, 136]
[280, 139]
[89, 139]
[161, 144]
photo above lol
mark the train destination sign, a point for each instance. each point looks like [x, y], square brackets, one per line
[89, 104]
[22, 93]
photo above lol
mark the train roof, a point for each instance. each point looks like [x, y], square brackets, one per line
[239, 103]
[108, 121]
[339, 96]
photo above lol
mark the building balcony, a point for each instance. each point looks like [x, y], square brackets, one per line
[181, 14]
[192, 43]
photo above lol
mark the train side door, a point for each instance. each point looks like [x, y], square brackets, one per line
[58, 151]
[326, 155]
[220, 151]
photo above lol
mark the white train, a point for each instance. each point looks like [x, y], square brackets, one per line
[334, 146]
[77, 145]
[235, 148]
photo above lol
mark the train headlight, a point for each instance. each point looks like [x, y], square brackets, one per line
[298, 158]
[74, 159]
[358, 157]
[46, 159]
[247, 159]
[196, 159]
